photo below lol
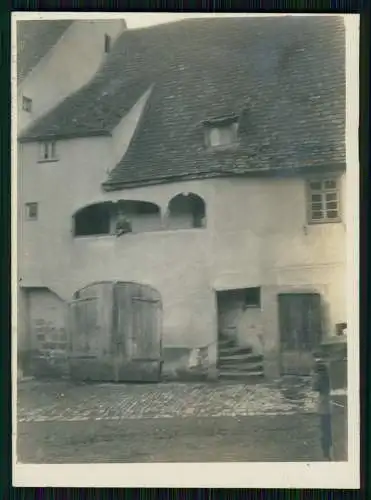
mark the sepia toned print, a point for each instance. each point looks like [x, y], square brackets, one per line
[182, 240]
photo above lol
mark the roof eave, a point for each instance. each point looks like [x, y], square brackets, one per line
[72, 135]
[253, 172]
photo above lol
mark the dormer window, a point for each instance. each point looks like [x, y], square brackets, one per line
[48, 151]
[107, 43]
[221, 132]
[27, 104]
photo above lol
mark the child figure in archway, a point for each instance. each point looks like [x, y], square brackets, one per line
[123, 224]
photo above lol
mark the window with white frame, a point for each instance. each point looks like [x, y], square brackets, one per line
[48, 151]
[324, 200]
[31, 211]
[26, 104]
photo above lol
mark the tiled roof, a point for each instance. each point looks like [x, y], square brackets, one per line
[284, 77]
[34, 40]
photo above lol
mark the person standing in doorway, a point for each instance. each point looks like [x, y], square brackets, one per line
[322, 386]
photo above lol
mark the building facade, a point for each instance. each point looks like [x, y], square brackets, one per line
[232, 187]
[66, 53]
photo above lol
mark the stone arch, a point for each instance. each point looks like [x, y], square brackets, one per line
[93, 220]
[102, 218]
[143, 216]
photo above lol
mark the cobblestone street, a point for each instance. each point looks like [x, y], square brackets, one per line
[61, 422]
[62, 401]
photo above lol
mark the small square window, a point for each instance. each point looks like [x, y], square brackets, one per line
[31, 211]
[324, 204]
[107, 43]
[48, 151]
[27, 104]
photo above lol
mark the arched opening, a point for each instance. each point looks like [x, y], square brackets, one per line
[186, 211]
[121, 217]
[142, 216]
[93, 220]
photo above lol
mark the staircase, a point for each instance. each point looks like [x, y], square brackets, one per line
[238, 363]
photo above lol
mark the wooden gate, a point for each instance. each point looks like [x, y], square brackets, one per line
[146, 338]
[84, 327]
[300, 331]
[115, 332]
[137, 332]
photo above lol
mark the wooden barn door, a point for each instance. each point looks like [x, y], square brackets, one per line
[137, 332]
[84, 330]
[146, 330]
[300, 331]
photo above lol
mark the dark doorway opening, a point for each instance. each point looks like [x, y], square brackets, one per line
[93, 220]
[239, 318]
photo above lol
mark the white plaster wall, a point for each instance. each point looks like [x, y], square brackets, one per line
[57, 187]
[124, 131]
[70, 64]
[256, 235]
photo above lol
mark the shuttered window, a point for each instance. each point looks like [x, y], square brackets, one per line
[324, 200]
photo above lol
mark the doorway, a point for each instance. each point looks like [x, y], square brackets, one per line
[300, 325]
[239, 334]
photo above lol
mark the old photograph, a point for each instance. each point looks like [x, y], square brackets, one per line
[181, 249]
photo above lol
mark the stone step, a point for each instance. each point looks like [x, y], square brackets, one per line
[231, 351]
[246, 367]
[226, 343]
[240, 357]
[241, 376]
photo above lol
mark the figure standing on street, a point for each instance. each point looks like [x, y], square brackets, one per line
[322, 385]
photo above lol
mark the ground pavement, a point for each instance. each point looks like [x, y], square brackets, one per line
[64, 422]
